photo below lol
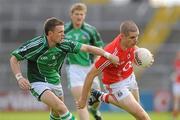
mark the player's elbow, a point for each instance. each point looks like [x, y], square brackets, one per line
[13, 59]
[92, 73]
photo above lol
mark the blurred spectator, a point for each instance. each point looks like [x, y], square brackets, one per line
[79, 64]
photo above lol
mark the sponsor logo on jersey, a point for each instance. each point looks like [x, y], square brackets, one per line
[53, 58]
[44, 58]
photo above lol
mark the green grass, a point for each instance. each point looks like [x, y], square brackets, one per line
[106, 116]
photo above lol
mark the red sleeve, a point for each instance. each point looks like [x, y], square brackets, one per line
[102, 63]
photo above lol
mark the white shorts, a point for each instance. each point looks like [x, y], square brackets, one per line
[176, 89]
[76, 75]
[122, 89]
[38, 88]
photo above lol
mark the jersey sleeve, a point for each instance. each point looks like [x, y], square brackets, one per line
[96, 39]
[19, 54]
[27, 50]
[70, 46]
[102, 63]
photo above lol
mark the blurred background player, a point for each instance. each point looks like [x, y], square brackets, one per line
[119, 80]
[79, 64]
[176, 86]
[45, 55]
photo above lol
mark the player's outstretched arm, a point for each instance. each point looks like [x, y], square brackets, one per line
[99, 51]
[87, 87]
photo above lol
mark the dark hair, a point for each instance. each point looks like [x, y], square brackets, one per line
[51, 23]
[128, 26]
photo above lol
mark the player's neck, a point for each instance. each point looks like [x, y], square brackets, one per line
[123, 47]
[122, 44]
[50, 43]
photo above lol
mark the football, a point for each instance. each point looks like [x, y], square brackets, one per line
[143, 57]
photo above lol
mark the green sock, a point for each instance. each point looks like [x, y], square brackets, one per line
[94, 112]
[67, 116]
[52, 117]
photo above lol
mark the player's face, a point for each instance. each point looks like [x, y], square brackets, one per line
[131, 39]
[78, 17]
[57, 35]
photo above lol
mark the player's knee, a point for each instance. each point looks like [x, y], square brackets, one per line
[60, 108]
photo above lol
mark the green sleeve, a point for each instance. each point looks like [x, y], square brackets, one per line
[70, 46]
[17, 54]
[97, 41]
[28, 49]
[77, 47]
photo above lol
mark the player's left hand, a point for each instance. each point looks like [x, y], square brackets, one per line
[80, 104]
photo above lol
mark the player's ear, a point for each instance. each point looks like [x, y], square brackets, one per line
[50, 33]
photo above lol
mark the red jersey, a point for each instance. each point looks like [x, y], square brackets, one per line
[111, 73]
[177, 70]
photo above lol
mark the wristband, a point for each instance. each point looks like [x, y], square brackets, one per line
[107, 55]
[18, 76]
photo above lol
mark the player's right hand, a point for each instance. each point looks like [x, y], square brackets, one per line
[24, 84]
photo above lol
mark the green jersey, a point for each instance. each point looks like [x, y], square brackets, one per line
[87, 34]
[44, 63]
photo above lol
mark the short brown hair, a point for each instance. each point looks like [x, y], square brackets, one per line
[128, 26]
[51, 23]
[78, 6]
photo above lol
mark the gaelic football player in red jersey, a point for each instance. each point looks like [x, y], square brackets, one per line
[176, 86]
[119, 80]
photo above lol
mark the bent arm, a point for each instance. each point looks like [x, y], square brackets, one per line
[15, 65]
[88, 82]
[87, 85]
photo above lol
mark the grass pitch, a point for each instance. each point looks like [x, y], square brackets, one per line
[106, 116]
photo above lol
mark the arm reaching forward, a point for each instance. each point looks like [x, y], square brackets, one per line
[99, 51]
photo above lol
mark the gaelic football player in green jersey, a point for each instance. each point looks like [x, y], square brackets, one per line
[45, 55]
[79, 64]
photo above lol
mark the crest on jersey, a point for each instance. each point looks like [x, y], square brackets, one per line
[128, 56]
[83, 37]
